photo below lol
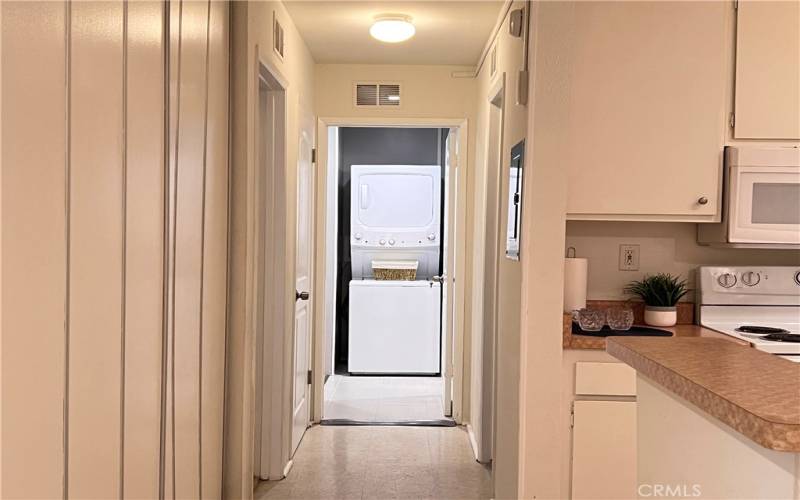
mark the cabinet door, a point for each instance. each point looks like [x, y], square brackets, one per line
[768, 70]
[604, 450]
[647, 110]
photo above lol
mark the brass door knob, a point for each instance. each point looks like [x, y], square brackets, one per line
[301, 295]
[703, 200]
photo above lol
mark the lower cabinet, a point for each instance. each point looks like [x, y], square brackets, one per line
[604, 449]
[604, 431]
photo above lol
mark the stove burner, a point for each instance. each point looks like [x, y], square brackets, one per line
[783, 337]
[760, 330]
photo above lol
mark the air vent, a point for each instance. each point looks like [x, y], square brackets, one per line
[277, 36]
[389, 95]
[377, 94]
[494, 61]
[366, 94]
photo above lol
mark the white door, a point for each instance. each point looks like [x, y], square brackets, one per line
[448, 271]
[302, 313]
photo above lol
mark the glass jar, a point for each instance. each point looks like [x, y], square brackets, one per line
[590, 320]
[619, 318]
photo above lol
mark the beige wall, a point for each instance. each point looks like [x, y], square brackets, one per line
[252, 41]
[427, 91]
[89, 299]
[509, 273]
[663, 246]
[542, 417]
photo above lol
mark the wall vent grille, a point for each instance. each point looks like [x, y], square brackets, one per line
[377, 94]
[389, 95]
[277, 35]
[366, 94]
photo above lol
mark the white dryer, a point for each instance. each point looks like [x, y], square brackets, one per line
[395, 214]
[394, 327]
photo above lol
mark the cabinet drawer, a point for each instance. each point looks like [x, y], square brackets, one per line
[604, 379]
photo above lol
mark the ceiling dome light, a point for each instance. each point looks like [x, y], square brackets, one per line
[392, 28]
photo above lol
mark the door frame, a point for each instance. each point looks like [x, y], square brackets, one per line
[271, 421]
[320, 264]
[492, 236]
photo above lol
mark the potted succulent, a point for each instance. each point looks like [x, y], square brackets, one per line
[660, 294]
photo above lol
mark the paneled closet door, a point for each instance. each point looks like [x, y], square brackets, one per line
[95, 259]
[34, 250]
[215, 254]
[114, 226]
[144, 248]
[197, 263]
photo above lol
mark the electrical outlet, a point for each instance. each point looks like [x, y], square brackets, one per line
[629, 257]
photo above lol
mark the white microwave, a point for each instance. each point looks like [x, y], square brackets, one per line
[761, 199]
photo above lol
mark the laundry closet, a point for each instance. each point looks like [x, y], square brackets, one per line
[389, 254]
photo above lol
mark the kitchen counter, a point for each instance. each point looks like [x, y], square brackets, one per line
[572, 341]
[755, 393]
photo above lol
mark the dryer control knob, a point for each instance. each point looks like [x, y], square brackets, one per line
[751, 278]
[391, 242]
[431, 236]
[382, 242]
[357, 236]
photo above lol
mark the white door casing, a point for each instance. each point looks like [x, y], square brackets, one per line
[459, 248]
[270, 317]
[302, 314]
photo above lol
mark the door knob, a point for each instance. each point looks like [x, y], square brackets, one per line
[703, 200]
[301, 295]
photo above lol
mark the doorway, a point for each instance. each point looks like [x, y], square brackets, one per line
[411, 381]
[281, 327]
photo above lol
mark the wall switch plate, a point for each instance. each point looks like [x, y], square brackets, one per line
[629, 257]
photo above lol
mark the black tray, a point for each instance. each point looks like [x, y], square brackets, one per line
[635, 331]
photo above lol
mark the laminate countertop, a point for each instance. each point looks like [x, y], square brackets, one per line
[573, 341]
[755, 393]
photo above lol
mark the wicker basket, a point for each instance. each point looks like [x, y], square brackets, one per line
[395, 270]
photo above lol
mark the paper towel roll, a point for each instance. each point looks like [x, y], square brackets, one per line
[575, 272]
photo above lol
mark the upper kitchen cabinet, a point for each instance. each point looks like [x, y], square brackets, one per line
[648, 110]
[767, 92]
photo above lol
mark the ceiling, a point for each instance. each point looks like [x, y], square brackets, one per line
[448, 32]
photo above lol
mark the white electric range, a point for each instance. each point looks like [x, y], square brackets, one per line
[760, 305]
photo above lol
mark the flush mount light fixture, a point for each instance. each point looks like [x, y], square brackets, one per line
[392, 28]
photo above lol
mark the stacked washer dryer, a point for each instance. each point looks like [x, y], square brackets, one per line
[395, 215]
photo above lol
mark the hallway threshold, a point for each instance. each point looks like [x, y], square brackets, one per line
[368, 398]
[442, 422]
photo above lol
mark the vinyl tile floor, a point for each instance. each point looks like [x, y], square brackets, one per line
[383, 399]
[379, 462]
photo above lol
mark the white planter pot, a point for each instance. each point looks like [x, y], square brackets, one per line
[660, 316]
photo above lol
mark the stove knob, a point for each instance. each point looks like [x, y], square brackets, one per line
[431, 236]
[382, 242]
[726, 280]
[357, 236]
[751, 278]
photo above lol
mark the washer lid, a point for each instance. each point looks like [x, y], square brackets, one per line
[395, 283]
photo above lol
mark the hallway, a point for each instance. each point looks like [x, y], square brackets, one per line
[382, 463]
